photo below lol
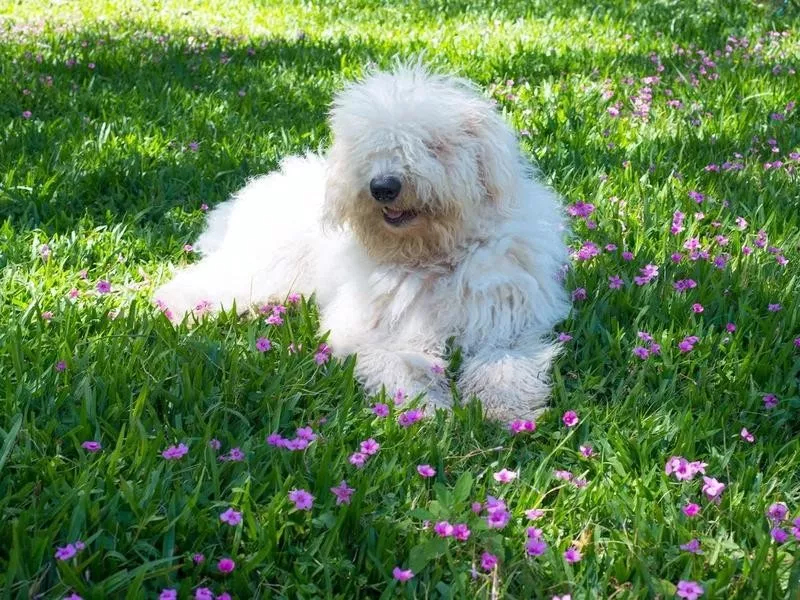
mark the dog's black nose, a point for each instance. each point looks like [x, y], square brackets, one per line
[385, 188]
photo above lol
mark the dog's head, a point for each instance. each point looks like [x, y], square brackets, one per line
[420, 164]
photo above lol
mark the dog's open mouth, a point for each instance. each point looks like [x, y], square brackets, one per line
[396, 217]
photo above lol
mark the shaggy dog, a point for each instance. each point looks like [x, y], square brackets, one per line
[422, 223]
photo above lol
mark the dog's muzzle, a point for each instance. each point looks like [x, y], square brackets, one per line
[385, 188]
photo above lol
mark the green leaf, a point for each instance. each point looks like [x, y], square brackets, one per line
[424, 553]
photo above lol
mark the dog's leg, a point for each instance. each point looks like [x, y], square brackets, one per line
[513, 382]
[210, 285]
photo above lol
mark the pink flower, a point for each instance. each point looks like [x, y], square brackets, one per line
[691, 509]
[91, 446]
[231, 517]
[263, 344]
[687, 345]
[175, 452]
[476, 507]
[443, 529]
[204, 207]
[689, 590]
[226, 565]
[712, 488]
[437, 369]
[564, 337]
[587, 451]
[571, 555]
[730, 327]
[692, 546]
[302, 499]
[505, 476]
[697, 308]
[198, 558]
[214, 444]
[293, 298]
[570, 418]
[168, 594]
[770, 400]
[343, 493]
[563, 475]
[381, 410]
[224, 596]
[488, 561]
[103, 287]
[461, 532]
[426, 470]
[534, 513]
[401, 575]
[235, 455]
[520, 426]
[370, 447]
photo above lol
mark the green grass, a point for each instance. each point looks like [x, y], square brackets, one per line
[103, 173]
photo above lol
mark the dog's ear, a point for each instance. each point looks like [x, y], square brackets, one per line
[500, 163]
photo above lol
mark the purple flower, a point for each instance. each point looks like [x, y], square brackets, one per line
[198, 558]
[691, 509]
[203, 594]
[535, 547]
[426, 470]
[564, 337]
[381, 410]
[370, 447]
[498, 519]
[697, 308]
[168, 594]
[587, 451]
[747, 436]
[692, 546]
[579, 294]
[66, 552]
[570, 418]
[689, 590]
[519, 426]
[401, 575]
[615, 282]
[641, 352]
[488, 561]
[358, 459]
[410, 417]
[343, 493]
[263, 344]
[461, 532]
[103, 287]
[648, 273]
[226, 565]
[214, 444]
[777, 512]
[91, 446]
[443, 529]
[302, 499]
[696, 196]
[712, 488]
[231, 517]
[571, 555]
[774, 307]
[770, 400]
[175, 452]
[505, 476]
[779, 535]
[627, 256]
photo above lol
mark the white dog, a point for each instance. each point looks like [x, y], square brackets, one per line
[422, 223]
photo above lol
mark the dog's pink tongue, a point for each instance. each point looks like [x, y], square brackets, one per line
[392, 214]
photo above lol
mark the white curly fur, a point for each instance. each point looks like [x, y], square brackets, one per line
[480, 262]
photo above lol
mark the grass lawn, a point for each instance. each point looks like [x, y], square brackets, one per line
[670, 128]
